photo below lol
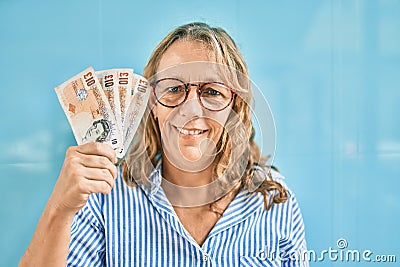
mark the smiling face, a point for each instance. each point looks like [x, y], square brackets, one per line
[190, 132]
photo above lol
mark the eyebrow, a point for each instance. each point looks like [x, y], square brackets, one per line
[207, 78]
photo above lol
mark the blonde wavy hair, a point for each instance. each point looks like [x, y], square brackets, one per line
[147, 145]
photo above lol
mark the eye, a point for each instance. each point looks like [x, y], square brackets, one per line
[216, 90]
[174, 89]
[212, 92]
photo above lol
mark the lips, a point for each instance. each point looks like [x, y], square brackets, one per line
[192, 131]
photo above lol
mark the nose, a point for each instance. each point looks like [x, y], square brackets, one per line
[191, 107]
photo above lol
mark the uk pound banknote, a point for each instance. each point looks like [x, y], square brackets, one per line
[104, 107]
[138, 97]
[108, 82]
[125, 79]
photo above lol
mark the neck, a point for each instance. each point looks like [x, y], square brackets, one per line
[184, 178]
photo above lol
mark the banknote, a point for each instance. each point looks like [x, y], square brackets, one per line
[124, 79]
[138, 97]
[132, 91]
[88, 110]
[109, 82]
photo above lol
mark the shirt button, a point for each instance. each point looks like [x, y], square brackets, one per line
[205, 258]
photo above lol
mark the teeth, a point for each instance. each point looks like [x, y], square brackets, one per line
[191, 132]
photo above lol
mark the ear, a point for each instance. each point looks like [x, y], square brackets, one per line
[154, 111]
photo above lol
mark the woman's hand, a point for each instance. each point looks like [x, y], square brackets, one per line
[87, 169]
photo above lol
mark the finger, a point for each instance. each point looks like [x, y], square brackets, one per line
[101, 162]
[96, 186]
[99, 149]
[96, 174]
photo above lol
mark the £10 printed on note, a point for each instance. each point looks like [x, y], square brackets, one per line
[104, 106]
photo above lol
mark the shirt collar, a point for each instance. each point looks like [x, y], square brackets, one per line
[155, 179]
[153, 184]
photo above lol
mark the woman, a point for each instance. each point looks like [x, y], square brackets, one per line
[197, 132]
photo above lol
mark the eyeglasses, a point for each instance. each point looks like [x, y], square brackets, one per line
[172, 92]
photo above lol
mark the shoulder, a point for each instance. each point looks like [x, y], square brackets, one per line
[269, 178]
[275, 196]
[290, 205]
[280, 178]
[286, 209]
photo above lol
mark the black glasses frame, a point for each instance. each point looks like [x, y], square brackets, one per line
[187, 90]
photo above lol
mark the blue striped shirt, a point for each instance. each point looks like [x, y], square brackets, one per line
[135, 226]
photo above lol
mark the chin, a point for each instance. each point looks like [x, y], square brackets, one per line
[191, 154]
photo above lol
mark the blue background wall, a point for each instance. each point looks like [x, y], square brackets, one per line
[329, 69]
